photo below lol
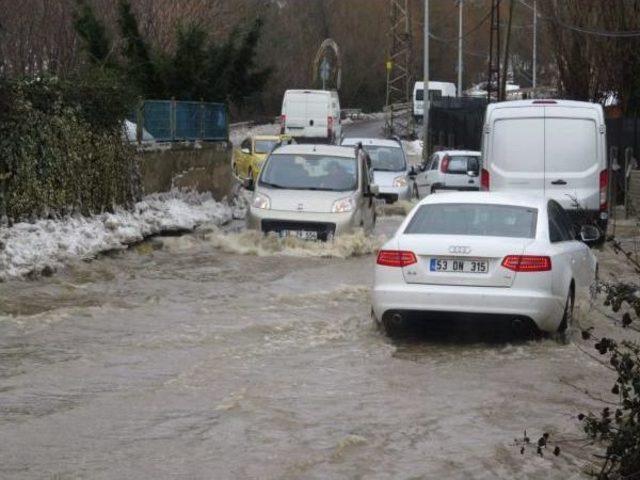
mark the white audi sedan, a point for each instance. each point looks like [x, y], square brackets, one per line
[495, 258]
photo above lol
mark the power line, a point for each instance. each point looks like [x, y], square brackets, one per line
[588, 31]
[466, 34]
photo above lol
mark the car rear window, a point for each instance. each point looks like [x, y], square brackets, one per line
[458, 164]
[474, 219]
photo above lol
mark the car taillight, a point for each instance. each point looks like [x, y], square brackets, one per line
[604, 184]
[283, 123]
[485, 180]
[444, 165]
[527, 263]
[396, 258]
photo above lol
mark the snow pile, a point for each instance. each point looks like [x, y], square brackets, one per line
[41, 247]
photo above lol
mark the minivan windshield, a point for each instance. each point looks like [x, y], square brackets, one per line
[310, 172]
[386, 159]
[474, 219]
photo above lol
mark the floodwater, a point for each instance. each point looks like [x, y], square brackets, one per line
[220, 355]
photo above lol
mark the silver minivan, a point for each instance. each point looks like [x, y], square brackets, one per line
[389, 167]
[312, 192]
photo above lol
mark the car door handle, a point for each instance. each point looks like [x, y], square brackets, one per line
[472, 181]
[558, 182]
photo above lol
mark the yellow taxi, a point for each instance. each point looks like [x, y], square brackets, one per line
[253, 151]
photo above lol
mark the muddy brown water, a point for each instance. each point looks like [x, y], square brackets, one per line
[213, 356]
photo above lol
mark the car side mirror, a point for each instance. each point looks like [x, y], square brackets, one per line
[423, 167]
[248, 184]
[374, 190]
[246, 151]
[589, 234]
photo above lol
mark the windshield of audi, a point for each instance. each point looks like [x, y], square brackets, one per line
[310, 172]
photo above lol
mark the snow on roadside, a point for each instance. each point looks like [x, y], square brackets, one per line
[43, 246]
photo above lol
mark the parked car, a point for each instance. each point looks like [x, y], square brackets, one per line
[389, 167]
[253, 151]
[311, 116]
[436, 90]
[484, 257]
[313, 192]
[449, 170]
[556, 148]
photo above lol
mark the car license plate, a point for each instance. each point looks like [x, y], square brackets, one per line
[451, 265]
[302, 234]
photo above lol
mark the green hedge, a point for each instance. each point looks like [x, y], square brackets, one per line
[54, 160]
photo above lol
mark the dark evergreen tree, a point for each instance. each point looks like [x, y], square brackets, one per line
[244, 79]
[140, 67]
[188, 77]
[92, 32]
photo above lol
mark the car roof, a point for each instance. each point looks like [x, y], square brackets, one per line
[376, 142]
[550, 102]
[493, 198]
[468, 153]
[267, 137]
[308, 149]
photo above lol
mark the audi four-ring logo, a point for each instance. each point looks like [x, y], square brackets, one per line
[459, 249]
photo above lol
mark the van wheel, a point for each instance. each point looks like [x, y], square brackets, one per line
[433, 189]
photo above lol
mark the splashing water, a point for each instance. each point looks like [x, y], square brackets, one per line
[252, 242]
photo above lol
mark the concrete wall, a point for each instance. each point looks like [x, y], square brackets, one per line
[204, 167]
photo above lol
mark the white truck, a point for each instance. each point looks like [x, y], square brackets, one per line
[557, 148]
[311, 116]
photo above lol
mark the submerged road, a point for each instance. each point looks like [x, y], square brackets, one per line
[225, 355]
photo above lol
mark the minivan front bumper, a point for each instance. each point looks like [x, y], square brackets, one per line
[326, 224]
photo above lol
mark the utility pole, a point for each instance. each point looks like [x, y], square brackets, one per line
[502, 89]
[460, 5]
[427, 99]
[493, 78]
[535, 46]
[399, 111]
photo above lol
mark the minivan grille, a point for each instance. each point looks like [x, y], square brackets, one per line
[324, 230]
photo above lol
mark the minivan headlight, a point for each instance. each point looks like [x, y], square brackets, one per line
[344, 205]
[400, 181]
[260, 200]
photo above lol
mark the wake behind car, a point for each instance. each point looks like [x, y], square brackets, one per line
[389, 165]
[486, 258]
[313, 192]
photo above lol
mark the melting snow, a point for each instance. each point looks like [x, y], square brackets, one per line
[28, 248]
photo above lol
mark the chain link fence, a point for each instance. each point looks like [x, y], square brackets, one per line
[176, 121]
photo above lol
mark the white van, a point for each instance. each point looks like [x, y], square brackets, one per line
[436, 90]
[311, 116]
[557, 147]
